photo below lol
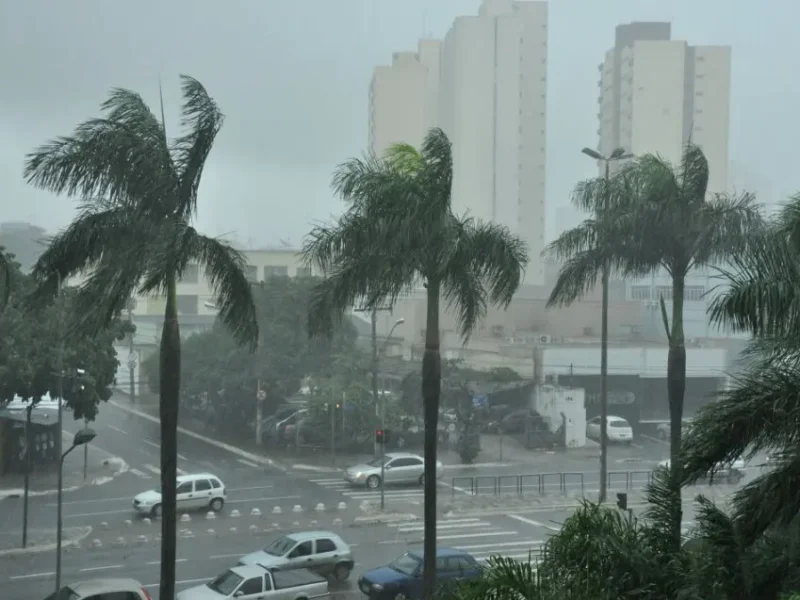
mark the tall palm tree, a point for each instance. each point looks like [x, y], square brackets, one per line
[677, 226]
[135, 236]
[5, 279]
[398, 229]
[760, 412]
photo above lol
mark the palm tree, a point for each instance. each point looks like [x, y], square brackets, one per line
[760, 411]
[398, 229]
[135, 236]
[5, 279]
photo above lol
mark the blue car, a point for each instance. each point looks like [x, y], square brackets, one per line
[402, 578]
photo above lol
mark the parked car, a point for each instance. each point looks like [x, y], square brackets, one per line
[94, 589]
[402, 578]
[400, 467]
[617, 430]
[194, 492]
[323, 552]
[255, 582]
[663, 430]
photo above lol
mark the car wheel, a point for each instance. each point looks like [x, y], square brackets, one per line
[422, 479]
[341, 572]
[217, 504]
[156, 511]
[373, 481]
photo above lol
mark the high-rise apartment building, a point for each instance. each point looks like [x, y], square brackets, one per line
[485, 85]
[657, 93]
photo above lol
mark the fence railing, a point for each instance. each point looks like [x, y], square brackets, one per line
[543, 483]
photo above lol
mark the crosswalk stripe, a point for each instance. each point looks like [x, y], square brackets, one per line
[459, 536]
[327, 481]
[439, 526]
[157, 471]
[478, 547]
[141, 474]
[377, 494]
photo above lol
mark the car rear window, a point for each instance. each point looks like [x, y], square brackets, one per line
[618, 423]
[215, 483]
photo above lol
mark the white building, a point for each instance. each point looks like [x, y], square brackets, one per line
[657, 93]
[485, 85]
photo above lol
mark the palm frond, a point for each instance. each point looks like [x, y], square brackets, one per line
[404, 158]
[79, 248]
[770, 500]
[5, 279]
[122, 158]
[577, 276]
[663, 513]
[436, 176]
[202, 119]
[726, 226]
[758, 413]
[693, 174]
[581, 238]
[762, 293]
[224, 267]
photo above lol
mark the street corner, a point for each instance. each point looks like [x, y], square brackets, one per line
[42, 540]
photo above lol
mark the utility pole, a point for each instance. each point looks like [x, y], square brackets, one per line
[131, 355]
[618, 154]
[60, 371]
[28, 411]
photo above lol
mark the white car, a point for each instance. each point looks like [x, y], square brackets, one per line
[399, 467]
[128, 589]
[194, 492]
[617, 429]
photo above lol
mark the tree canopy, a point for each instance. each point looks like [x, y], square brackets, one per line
[29, 352]
[212, 363]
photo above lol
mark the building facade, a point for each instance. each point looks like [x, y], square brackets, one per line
[655, 94]
[485, 85]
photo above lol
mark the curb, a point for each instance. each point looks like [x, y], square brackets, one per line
[75, 541]
[262, 460]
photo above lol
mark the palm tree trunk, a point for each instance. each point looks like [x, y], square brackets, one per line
[169, 396]
[604, 387]
[676, 388]
[431, 390]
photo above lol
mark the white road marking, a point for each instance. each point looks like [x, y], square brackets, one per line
[440, 527]
[534, 523]
[214, 556]
[155, 470]
[244, 489]
[177, 560]
[153, 444]
[258, 499]
[106, 567]
[180, 472]
[139, 473]
[181, 582]
[182, 457]
[93, 514]
[503, 545]
[118, 430]
[34, 575]
[460, 536]
[247, 462]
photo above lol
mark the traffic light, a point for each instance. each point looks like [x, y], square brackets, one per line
[380, 437]
[622, 500]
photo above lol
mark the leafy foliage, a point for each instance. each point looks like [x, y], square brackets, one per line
[29, 352]
[213, 363]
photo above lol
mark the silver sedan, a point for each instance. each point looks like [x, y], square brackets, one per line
[399, 467]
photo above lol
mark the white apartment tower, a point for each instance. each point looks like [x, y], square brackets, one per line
[657, 93]
[485, 85]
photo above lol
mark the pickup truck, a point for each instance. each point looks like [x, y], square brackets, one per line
[254, 582]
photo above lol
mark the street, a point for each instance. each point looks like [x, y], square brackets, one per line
[103, 536]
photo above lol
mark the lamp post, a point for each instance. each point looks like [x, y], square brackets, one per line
[618, 154]
[399, 321]
[84, 436]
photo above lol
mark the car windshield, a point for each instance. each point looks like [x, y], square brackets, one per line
[280, 546]
[226, 583]
[64, 593]
[405, 564]
[376, 462]
[618, 423]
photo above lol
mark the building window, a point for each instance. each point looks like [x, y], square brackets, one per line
[694, 293]
[271, 271]
[251, 272]
[190, 274]
[303, 272]
[188, 304]
[640, 292]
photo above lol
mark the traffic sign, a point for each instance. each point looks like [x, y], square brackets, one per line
[132, 360]
[261, 395]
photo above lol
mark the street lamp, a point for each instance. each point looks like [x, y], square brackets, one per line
[397, 323]
[84, 436]
[617, 154]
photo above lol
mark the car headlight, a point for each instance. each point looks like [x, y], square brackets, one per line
[359, 475]
[377, 587]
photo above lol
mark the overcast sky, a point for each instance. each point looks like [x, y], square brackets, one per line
[292, 77]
